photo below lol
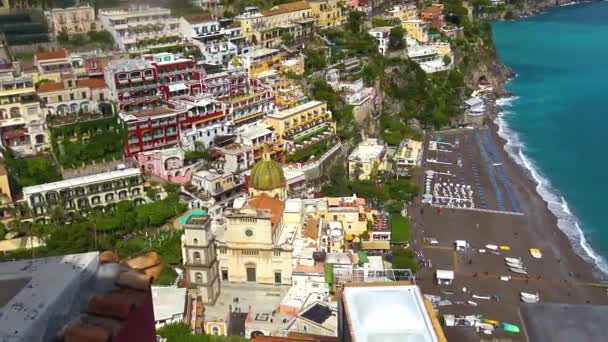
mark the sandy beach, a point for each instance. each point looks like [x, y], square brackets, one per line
[559, 276]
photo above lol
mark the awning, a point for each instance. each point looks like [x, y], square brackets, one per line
[204, 102]
[177, 87]
[445, 275]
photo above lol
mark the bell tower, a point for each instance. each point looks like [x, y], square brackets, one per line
[200, 258]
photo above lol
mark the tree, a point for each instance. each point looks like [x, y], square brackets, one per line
[63, 37]
[314, 60]
[396, 38]
[355, 21]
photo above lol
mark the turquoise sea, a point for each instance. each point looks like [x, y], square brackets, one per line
[557, 120]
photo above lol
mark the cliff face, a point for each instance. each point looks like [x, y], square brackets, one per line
[524, 9]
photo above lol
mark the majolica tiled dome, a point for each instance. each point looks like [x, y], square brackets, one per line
[267, 175]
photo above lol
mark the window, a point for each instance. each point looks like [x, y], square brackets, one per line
[277, 253]
[195, 241]
[222, 250]
[198, 277]
[70, 85]
[101, 98]
[46, 100]
[83, 95]
[249, 252]
[59, 98]
[72, 96]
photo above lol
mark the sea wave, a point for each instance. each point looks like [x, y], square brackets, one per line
[566, 221]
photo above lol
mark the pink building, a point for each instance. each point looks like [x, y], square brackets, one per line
[167, 164]
[73, 20]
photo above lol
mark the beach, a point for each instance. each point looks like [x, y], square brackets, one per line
[521, 222]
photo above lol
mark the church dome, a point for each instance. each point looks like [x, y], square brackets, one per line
[267, 175]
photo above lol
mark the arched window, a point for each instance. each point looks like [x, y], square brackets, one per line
[195, 241]
[215, 331]
[198, 276]
[197, 257]
[15, 112]
[73, 108]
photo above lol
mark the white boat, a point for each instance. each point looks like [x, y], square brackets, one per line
[513, 260]
[480, 297]
[505, 278]
[536, 253]
[529, 300]
[516, 265]
[529, 295]
[471, 303]
[517, 270]
[492, 247]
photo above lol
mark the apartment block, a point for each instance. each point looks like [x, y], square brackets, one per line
[72, 20]
[82, 193]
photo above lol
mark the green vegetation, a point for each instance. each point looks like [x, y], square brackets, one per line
[393, 129]
[342, 114]
[88, 141]
[197, 154]
[69, 233]
[391, 193]
[396, 38]
[329, 274]
[181, 332]
[166, 243]
[99, 39]
[404, 258]
[317, 149]
[400, 228]
[30, 171]
[314, 60]
[181, 8]
[383, 22]
[432, 99]
[311, 134]
[3, 231]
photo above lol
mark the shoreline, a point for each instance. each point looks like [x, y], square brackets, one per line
[566, 222]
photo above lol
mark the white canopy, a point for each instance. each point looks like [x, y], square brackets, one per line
[177, 87]
[445, 275]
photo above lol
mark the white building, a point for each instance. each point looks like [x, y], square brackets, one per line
[140, 28]
[81, 193]
[319, 319]
[214, 121]
[388, 313]
[169, 305]
[382, 36]
[368, 157]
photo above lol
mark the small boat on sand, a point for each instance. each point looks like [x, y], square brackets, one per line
[536, 253]
[513, 260]
[516, 265]
[517, 270]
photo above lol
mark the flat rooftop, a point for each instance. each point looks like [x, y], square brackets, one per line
[79, 181]
[387, 314]
[168, 301]
[295, 110]
[38, 296]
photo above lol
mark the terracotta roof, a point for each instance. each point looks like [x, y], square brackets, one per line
[286, 8]
[85, 332]
[311, 228]
[318, 267]
[275, 206]
[41, 56]
[198, 18]
[91, 83]
[17, 133]
[50, 86]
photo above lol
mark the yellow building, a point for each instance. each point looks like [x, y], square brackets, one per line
[416, 29]
[403, 12]
[262, 61]
[6, 197]
[293, 65]
[52, 65]
[22, 123]
[352, 212]
[268, 28]
[368, 158]
[330, 13]
[285, 93]
[442, 48]
[249, 250]
[302, 123]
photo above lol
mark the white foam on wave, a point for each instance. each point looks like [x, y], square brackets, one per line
[566, 221]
